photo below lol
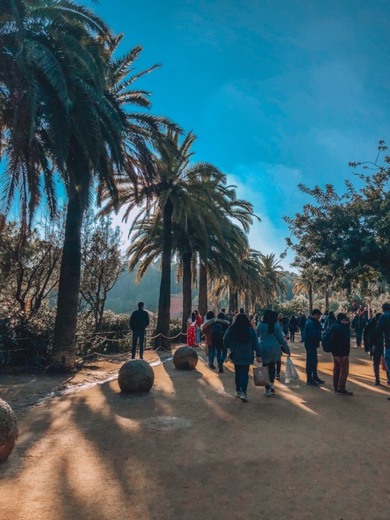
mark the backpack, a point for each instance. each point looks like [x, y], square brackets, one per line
[326, 340]
[217, 333]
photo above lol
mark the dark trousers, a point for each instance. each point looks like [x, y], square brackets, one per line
[359, 337]
[278, 367]
[211, 354]
[340, 372]
[292, 336]
[271, 372]
[377, 353]
[141, 335]
[311, 364]
[221, 355]
[241, 377]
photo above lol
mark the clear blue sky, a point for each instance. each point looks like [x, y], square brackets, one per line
[277, 92]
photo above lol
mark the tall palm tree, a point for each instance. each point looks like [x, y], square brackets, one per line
[306, 283]
[62, 98]
[271, 276]
[171, 195]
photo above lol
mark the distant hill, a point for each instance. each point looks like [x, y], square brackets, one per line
[125, 294]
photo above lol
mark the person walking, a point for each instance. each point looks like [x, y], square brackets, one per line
[374, 345]
[312, 338]
[218, 330]
[358, 324]
[241, 339]
[198, 323]
[293, 327]
[206, 328]
[271, 342]
[301, 324]
[383, 332]
[340, 340]
[191, 331]
[139, 320]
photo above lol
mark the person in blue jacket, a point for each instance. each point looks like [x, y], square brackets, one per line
[241, 339]
[312, 338]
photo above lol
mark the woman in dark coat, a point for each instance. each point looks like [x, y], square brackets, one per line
[241, 339]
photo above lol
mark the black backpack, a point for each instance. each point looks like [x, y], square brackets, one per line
[326, 340]
[217, 332]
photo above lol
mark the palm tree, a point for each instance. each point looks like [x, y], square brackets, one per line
[271, 276]
[306, 283]
[171, 195]
[62, 100]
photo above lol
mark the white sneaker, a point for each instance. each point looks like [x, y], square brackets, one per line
[244, 397]
[267, 393]
[238, 394]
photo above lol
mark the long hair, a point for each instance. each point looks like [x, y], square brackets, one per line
[270, 318]
[240, 328]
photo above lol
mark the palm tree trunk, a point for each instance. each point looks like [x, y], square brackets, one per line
[327, 299]
[202, 305]
[164, 302]
[187, 289]
[310, 298]
[246, 303]
[64, 343]
[233, 300]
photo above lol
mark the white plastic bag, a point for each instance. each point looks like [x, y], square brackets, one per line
[291, 373]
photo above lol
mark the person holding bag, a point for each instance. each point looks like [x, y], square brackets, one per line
[240, 338]
[271, 341]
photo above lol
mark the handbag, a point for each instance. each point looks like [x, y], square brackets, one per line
[290, 372]
[260, 376]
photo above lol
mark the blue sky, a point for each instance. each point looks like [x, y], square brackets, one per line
[277, 92]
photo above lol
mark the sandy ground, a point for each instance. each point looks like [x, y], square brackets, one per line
[190, 450]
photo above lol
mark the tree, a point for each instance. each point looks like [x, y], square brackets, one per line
[101, 264]
[306, 283]
[271, 278]
[29, 265]
[347, 234]
[62, 100]
[171, 196]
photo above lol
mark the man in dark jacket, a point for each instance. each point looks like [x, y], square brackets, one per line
[383, 334]
[341, 345]
[139, 320]
[312, 338]
[359, 323]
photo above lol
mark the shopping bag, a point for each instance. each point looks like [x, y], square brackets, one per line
[290, 372]
[260, 376]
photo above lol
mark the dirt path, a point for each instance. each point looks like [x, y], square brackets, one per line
[190, 450]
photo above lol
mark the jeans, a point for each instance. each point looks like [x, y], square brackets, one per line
[241, 377]
[377, 353]
[221, 354]
[311, 364]
[340, 372]
[271, 372]
[141, 335]
[211, 354]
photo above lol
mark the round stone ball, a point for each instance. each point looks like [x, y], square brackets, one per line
[8, 430]
[185, 358]
[135, 377]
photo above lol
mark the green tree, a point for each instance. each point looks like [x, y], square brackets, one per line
[101, 264]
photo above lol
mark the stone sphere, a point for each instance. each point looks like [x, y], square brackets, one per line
[136, 377]
[185, 358]
[8, 430]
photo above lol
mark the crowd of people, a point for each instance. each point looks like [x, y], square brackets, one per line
[265, 338]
